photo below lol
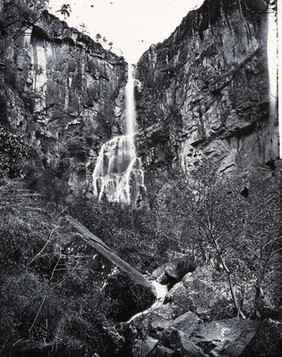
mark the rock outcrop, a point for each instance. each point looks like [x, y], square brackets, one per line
[267, 341]
[204, 292]
[174, 271]
[204, 92]
[60, 90]
[225, 337]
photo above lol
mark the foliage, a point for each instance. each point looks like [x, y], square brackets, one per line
[129, 232]
[12, 151]
[65, 10]
[51, 288]
[127, 298]
[50, 182]
[46, 288]
[17, 16]
[212, 218]
[98, 37]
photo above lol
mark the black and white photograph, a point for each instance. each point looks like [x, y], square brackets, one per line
[140, 178]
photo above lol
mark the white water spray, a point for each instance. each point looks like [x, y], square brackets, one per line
[161, 291]
[118, 174]
[272, 56]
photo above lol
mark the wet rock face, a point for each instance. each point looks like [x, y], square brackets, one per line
[62, 91]
[205, 91]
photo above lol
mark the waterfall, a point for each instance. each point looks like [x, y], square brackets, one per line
[272, 56]
[130, 104]
[118, 174]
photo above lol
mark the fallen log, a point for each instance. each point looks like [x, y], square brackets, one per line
[106, 251]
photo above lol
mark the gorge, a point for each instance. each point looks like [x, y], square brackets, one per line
[172, 165]
[203, 92]
[118, 173]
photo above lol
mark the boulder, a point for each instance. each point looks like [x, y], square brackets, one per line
[143, 347]
[176, 341]
[128, 298]
[162, 338]
[161, 351]
[204, 292]
[267, 342]
[157, 324]
[172, 272]
[187, 323]
[226, 337]
[162, 320]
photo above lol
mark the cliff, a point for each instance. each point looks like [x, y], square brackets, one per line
[61, 93]
[204, 92]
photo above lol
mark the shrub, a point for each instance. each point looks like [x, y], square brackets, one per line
[43, 287]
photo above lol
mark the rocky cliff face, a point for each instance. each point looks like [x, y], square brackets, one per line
[204, 92]
[60, 90]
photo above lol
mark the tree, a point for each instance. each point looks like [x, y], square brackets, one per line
[65, 10]
[83, 28]
[12, 152]
[262, 233]
[216, 213]
[209, 217]
[47, 292]
[98, 37]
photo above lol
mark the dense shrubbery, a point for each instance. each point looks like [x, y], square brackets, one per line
[48, 293]
[233, 224]
[131, 233]
[12, 151]
[51, 288]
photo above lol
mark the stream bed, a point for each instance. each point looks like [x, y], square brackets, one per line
[160, 291]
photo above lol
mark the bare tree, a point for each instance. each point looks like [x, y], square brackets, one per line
[233, 222]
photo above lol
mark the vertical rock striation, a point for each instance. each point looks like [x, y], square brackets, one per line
[205, 92]
[60, 90]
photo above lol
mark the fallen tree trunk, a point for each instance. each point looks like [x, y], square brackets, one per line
[102, 248]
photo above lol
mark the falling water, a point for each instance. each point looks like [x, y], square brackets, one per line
[272, 55]
[130, 104]
[161, 291]
[118, 174]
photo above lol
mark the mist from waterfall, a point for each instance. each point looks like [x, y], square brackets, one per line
[118, 174]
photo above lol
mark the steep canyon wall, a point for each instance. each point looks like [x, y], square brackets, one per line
[60, 91]
[204, 92]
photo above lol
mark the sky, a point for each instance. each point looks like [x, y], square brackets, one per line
[132, 25]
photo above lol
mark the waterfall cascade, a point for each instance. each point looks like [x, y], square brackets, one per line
[272, 58]
[118, 174]
[272, 54]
